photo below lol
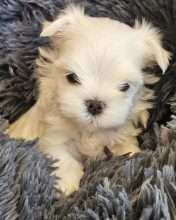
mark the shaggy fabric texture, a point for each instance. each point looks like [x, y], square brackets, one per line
[118, 188]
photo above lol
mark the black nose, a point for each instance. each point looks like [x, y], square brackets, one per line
[95, 107]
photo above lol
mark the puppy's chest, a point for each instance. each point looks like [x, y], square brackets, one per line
[92, 144]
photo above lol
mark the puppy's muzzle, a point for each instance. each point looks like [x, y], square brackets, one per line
[95, 107]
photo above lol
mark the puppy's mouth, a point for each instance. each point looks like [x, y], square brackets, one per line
[94, 124]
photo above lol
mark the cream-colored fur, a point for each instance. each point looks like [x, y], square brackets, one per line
[104, 54]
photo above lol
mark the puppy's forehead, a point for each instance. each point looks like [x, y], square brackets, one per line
[100, 46]
[100, 33]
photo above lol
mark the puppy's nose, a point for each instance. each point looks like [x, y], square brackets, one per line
[95, 107]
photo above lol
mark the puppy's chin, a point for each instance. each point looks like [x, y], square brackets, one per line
[94, 128]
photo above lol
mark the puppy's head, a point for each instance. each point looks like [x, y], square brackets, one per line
[97, 69]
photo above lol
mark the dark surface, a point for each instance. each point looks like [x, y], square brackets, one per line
[141, 187]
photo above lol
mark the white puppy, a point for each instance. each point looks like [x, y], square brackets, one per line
[91, 90]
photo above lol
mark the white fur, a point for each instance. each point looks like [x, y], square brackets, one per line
[104, 54]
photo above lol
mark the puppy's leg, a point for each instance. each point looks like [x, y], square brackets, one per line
[70, 169]
[29, 126]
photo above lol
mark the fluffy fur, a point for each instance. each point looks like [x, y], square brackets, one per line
[104, 54]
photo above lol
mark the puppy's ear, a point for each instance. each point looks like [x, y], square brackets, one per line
[63, 21]
[150, 43]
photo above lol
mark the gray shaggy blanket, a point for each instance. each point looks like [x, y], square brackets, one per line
[116, 188]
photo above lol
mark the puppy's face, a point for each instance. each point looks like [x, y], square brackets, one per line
[98, 70]
[97, 81]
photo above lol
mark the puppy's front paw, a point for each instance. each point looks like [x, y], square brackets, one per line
[69, 183]
[129, 146]
[69, 179]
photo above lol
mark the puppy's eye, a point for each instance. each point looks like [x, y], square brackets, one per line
[124, 87]
[73, 78]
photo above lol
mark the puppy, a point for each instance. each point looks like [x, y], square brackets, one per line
[91, 90]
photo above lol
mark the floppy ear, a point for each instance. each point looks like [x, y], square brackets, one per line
[150, 41]
[62, 22]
